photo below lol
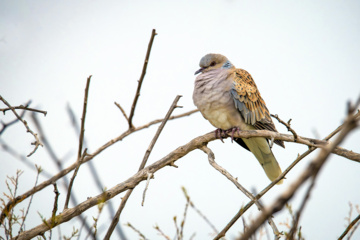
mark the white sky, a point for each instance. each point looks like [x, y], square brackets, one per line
[303, 55]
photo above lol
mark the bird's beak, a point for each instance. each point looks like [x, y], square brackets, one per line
[200, 70]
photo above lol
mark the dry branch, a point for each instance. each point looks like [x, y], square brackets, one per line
[140, 176]
[137, 94]
[81, 141]
[204, 139]
[63, 172]
[311, 171]
[211, 158]
[24, 108]
[37, 142]
[142, 165]
[93, 171]
[6, 125]
[297, 160]
[351, 225]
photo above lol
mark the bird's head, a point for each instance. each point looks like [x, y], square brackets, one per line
[213, 61]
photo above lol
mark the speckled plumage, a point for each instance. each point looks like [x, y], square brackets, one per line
[228, 97]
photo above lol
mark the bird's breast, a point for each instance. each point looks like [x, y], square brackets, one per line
[213, 98]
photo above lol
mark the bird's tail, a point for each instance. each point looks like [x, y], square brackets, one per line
[261, 149]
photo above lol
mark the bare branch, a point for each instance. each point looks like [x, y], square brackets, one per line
[24, 108]
[351, 225]
[82, 129]
[287, 125]
[211, 158]
[5, 125]
[312, 170]
[162, 233]
[37, 142]
[53, 215]
[199, 212]
[162, 125]
[81, 141]
[136, 230]
[147, 185]
[39, 170]
[297, 160]
[94, 172]
[302, 206]
[137, 94]
[142, 165]
[203, 139]
[63, 172]
[78, 162]
[58, 163]
[122, 110]
[182, 224]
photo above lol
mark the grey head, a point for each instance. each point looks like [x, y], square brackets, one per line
[213, 61]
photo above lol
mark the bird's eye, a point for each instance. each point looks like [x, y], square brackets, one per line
[212, 64]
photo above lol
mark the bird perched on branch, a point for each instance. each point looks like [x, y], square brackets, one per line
[229, 99]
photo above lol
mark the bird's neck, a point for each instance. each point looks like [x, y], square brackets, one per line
[227, 65]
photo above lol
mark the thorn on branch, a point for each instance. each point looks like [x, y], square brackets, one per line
[172, 164]
[122, 111]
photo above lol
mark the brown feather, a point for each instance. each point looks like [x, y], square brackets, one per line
[249, 96]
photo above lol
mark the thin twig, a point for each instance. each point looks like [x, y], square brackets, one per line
[81, 141]
[82, 129]
[176, 226]
[39, 170]
[287, 125]
[211, 158]
[142, 165]
[136, 230]
[137, 94]
[301, 209]
[182, 224]
[81, 228]
[122, 110]
[162, 125]
[199, 212]
[53, 215]
[5, 125]
[162, 233]
[37, 142]
[24, 108]
[72, 179]
[147, 185]
[351, 225]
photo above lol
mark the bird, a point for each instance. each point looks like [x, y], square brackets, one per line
[229, 99]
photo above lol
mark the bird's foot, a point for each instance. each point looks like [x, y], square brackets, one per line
[219, 133]
[232, 131]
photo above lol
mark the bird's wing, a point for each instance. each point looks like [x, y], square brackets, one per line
[248, 101]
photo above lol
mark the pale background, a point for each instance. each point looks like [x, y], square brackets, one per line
[303, 55]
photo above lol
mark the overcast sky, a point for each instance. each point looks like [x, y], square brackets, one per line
[303, 55]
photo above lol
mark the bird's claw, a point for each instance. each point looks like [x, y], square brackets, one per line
[218, 134]
[233, 130]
